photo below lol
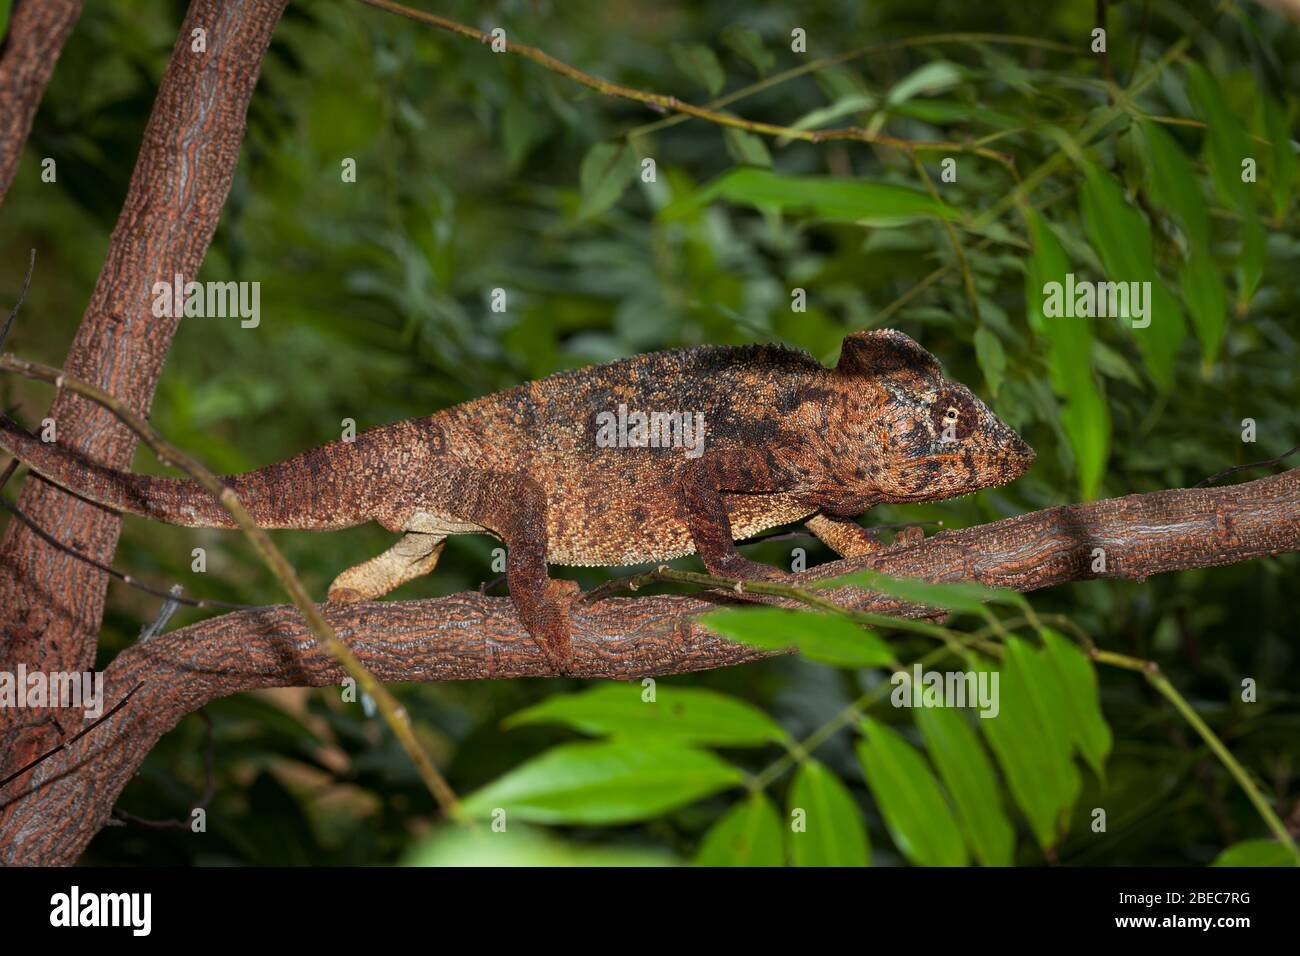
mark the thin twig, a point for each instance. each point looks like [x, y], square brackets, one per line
[671, 104]
[209, 787]
[1254, 464]
[813, 66]
[168, 454]
[159, 623]
[71, 740]
[126, 579]
[13, 313]
[1151, 671]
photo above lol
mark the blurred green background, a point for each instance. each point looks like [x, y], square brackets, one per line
[470, 176]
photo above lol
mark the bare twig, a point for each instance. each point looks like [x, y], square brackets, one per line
[209, 786]
[18, 304]
[1250, 467]
[108, 569]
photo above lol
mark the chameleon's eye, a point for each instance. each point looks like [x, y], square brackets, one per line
[953, 417]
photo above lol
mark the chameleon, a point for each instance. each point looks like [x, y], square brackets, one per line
[720, 443]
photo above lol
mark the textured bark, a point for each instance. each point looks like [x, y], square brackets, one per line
[37, 31]
[51, 605]
[55, 810]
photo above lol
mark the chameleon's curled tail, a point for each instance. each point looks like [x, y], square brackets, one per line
[314, 490]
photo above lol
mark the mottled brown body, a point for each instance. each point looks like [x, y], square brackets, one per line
[783, 439]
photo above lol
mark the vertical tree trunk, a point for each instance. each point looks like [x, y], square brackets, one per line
[50, 604]
[37, 31]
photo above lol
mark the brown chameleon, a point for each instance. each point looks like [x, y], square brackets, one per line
[640, 460]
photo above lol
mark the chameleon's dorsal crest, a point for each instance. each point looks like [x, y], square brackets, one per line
[882, 351]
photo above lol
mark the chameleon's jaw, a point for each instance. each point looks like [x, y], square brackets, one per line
[957, 474]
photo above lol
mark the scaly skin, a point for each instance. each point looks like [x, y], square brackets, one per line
[784, 440]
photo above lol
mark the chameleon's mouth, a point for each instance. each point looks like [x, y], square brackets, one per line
[958, 474]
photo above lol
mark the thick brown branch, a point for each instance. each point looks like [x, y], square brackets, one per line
[51, 606]
[472, 636]
[37, 31]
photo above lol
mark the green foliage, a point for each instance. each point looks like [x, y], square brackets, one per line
[865, 203]
[685, 715]
[749, 834]
[522, 846]
[818, 637]
[832, 833]
[607, 170]
[969, 777]
[919, 820]
[1255, 853]
[614, 781]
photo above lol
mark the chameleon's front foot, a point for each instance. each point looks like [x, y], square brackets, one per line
[547, 621]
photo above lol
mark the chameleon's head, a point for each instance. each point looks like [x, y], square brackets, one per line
[940, 440]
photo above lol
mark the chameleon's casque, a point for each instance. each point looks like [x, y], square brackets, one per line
[783, 439]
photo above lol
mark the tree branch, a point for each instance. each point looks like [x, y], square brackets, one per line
[470, 636]
[50, 606]
[37, 31]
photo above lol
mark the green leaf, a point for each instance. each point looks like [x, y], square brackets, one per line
[604, 782]
[944, 113]
[701, 64]
[1118, 232]
[819, 637]
[853, 200]
[1089, 730]
[1250, 265]
[1255, 853]
[520, 129]
[918, 818]
[1207, 301]
[933, 77]
[518, 845]
[1031, 743]
[972, 783]
[1160, 341]
[746, 148]
[606, 171]
[4, 17]
[748, 45]
[1226, 142]
[967, 597]
[1047, 264]
[1085, 417]
[1284, 159]
[686, 715]
[1122, 238]
[1175, 185]
[749, 834]
[991, 357]
[832, 834]
[844, 106]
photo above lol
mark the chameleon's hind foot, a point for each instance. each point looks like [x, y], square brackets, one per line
[548, 623]
[414, 554]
